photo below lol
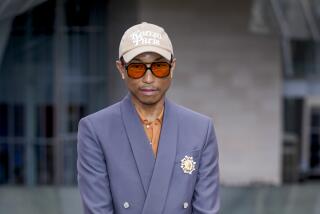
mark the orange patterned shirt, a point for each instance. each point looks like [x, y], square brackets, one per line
[152, 130]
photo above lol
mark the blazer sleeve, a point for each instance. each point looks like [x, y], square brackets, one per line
[93, 181]
[206, 198]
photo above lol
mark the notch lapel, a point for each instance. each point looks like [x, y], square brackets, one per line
[139, 142]
[162, 173]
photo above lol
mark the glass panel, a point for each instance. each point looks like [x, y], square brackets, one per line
[303, 56]
[75, 113]
[3, 120]
[77, 12]
[18, 123]
[45, 121]
[18, 163]
[315, 142]
[4, 170]
[53, 72]
[292, 110]
[44, 162]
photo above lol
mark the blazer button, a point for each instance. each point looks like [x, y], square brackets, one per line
[126, 205]
[185, 205]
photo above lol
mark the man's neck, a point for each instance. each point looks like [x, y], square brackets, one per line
[150, 112]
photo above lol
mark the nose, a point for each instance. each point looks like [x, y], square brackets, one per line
[148, 77]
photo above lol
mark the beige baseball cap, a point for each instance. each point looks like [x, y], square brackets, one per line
[145, 37]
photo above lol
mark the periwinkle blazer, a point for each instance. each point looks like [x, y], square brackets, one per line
[118, 173]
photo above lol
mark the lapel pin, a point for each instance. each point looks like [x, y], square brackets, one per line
[188, 165]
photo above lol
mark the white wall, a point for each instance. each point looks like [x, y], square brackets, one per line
[230, 74]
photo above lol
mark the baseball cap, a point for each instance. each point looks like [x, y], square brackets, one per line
[145, 37]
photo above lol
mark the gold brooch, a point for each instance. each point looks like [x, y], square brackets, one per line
[188, 165]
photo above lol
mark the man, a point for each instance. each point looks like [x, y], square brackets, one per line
[145, 154]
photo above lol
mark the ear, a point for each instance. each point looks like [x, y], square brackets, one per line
[173, 66]
[121, 68]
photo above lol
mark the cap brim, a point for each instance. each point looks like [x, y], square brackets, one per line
[139, 50]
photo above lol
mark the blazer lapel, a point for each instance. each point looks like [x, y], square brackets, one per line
[140, 146]
[164, 165]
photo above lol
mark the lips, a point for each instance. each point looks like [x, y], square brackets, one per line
[148, 91]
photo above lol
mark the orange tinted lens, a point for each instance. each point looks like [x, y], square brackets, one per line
[160, 69]
[136, 70]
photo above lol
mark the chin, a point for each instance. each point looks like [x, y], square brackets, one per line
[149, 100]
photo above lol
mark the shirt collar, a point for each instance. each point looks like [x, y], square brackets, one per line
[145, 121]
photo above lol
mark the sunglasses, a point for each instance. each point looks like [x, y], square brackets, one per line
[158, 69]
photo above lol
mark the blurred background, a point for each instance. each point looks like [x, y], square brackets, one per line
[251, 65]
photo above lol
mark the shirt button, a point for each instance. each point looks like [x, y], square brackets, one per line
[185, 205]
[126, 205]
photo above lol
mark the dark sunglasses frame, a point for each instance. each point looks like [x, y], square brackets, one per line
[146, 68]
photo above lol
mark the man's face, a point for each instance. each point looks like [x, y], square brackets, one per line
[149, 89]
